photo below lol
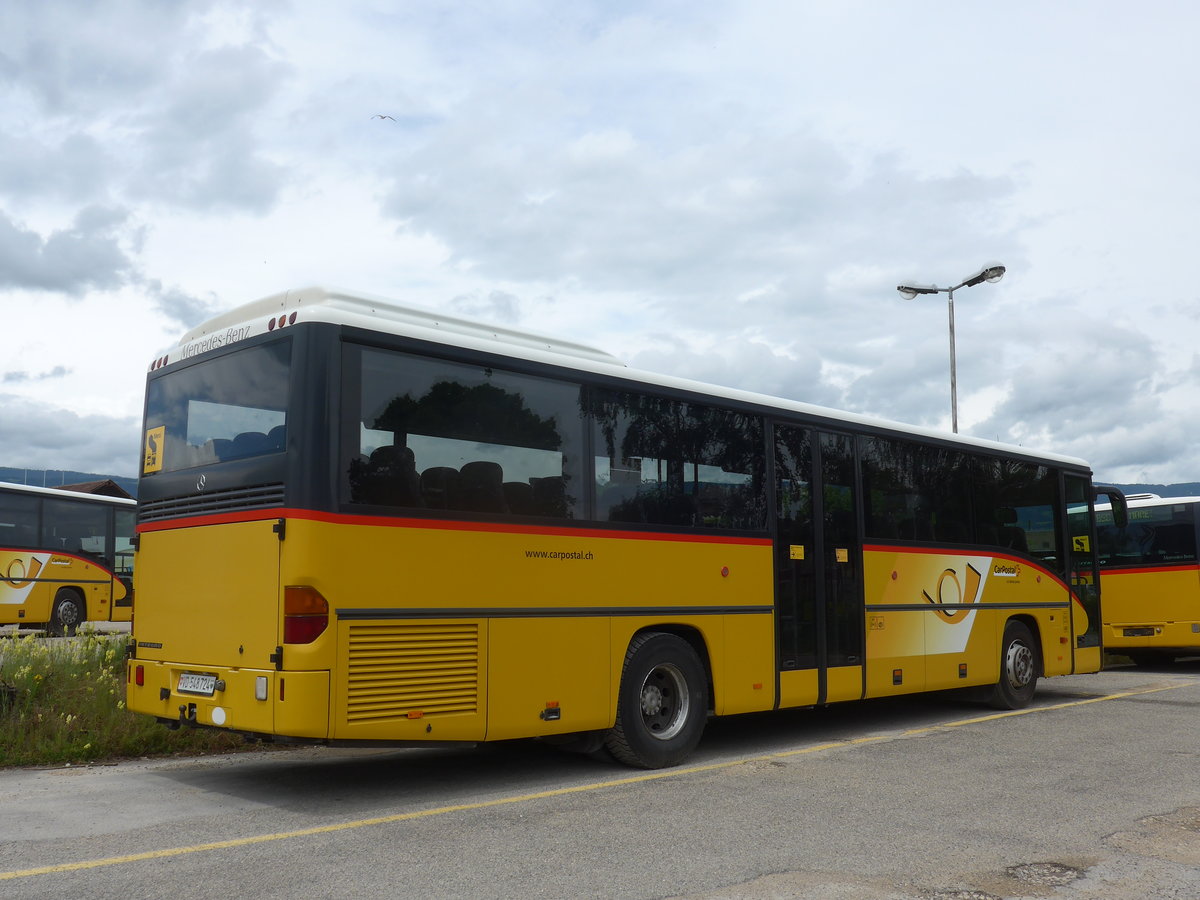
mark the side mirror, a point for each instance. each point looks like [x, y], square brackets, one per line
[1120, 509]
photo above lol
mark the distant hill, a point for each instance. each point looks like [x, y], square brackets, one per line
[1187, 489]
[55, 477]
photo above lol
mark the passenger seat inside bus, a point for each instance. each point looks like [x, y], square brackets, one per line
[481, 487]
[391, 477]
[440, 487]
[249, 443]
[519, 497]
[1011, 535]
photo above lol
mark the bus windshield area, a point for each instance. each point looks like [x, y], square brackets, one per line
[229, 408]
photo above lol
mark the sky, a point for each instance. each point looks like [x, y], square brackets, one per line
[723, 191]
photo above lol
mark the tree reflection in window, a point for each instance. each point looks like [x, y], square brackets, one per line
[667, 462]
[445, 436]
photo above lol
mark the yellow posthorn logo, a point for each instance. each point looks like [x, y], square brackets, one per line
[17, 575]
[950, 592]
[152, 462]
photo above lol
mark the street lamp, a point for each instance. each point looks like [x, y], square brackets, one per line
[992, 272]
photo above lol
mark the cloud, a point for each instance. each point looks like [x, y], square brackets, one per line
[496, 306]
[199, 136]
[21, 377]
[71, 167]
[139, 101]
[73, 57]
[36, 434]
[179, 306]
[87, 255]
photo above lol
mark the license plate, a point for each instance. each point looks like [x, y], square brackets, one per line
[190, 683]
[1139, 632]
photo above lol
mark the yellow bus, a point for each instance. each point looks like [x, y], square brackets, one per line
[365, 522]
[1150, 575]
[65, 558]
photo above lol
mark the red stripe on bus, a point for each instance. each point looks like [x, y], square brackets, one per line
[445, 525]
[1146, 570]
[86, 560]
[949, 551]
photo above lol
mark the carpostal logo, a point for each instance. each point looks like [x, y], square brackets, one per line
[1006, 570]
[213, 341]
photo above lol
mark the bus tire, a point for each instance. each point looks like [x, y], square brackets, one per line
[67, 615]
[1018, 668]
[662, 704]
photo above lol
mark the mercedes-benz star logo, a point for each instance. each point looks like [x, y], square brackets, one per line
[201, 481]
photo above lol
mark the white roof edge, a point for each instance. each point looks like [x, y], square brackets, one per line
[370, 311]
[327, 304]
[1159, 500]
[71, 495]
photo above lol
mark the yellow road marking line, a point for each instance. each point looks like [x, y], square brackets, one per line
[557, 792]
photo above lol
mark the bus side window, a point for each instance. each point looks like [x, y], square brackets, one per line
[18, 520]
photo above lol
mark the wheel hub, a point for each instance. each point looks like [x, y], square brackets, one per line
[1019, 665]
[652, 700]
[664, 702]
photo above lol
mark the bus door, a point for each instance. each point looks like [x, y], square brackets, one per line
[1083, 575]
[818, 574]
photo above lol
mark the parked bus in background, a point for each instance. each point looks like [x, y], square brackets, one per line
[1150, 575]
[365, 522]
[65, 558]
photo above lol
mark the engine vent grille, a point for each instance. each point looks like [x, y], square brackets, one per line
[398, 671]
[258, 496]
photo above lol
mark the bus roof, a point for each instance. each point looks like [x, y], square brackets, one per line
[318, 304]
[66, 495]
[373, 313]
[1136, 500]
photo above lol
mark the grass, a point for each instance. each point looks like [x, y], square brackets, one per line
[63, 701]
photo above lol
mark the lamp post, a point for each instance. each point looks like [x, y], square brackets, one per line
[992, 272]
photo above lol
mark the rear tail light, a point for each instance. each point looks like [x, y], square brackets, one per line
[305, 614]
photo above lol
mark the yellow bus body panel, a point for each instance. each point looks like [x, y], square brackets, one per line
[212, 595]
[29, 581]
[467, 631]
[295, 703]
[743, 665]
[798, 687]
[1164, 601]
[844, 683]
[447, 631]
[535, 646]
[949, 618]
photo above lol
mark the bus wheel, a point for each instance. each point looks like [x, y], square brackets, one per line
[662, 704]
[67, 614]
[1018, 668]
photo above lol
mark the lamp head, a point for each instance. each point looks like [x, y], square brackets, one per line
[991, 273]
[909, 291]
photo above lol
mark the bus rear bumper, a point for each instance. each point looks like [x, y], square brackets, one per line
[252, 701]
[1152, 636]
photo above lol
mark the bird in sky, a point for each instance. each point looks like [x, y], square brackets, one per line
[380, 116]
